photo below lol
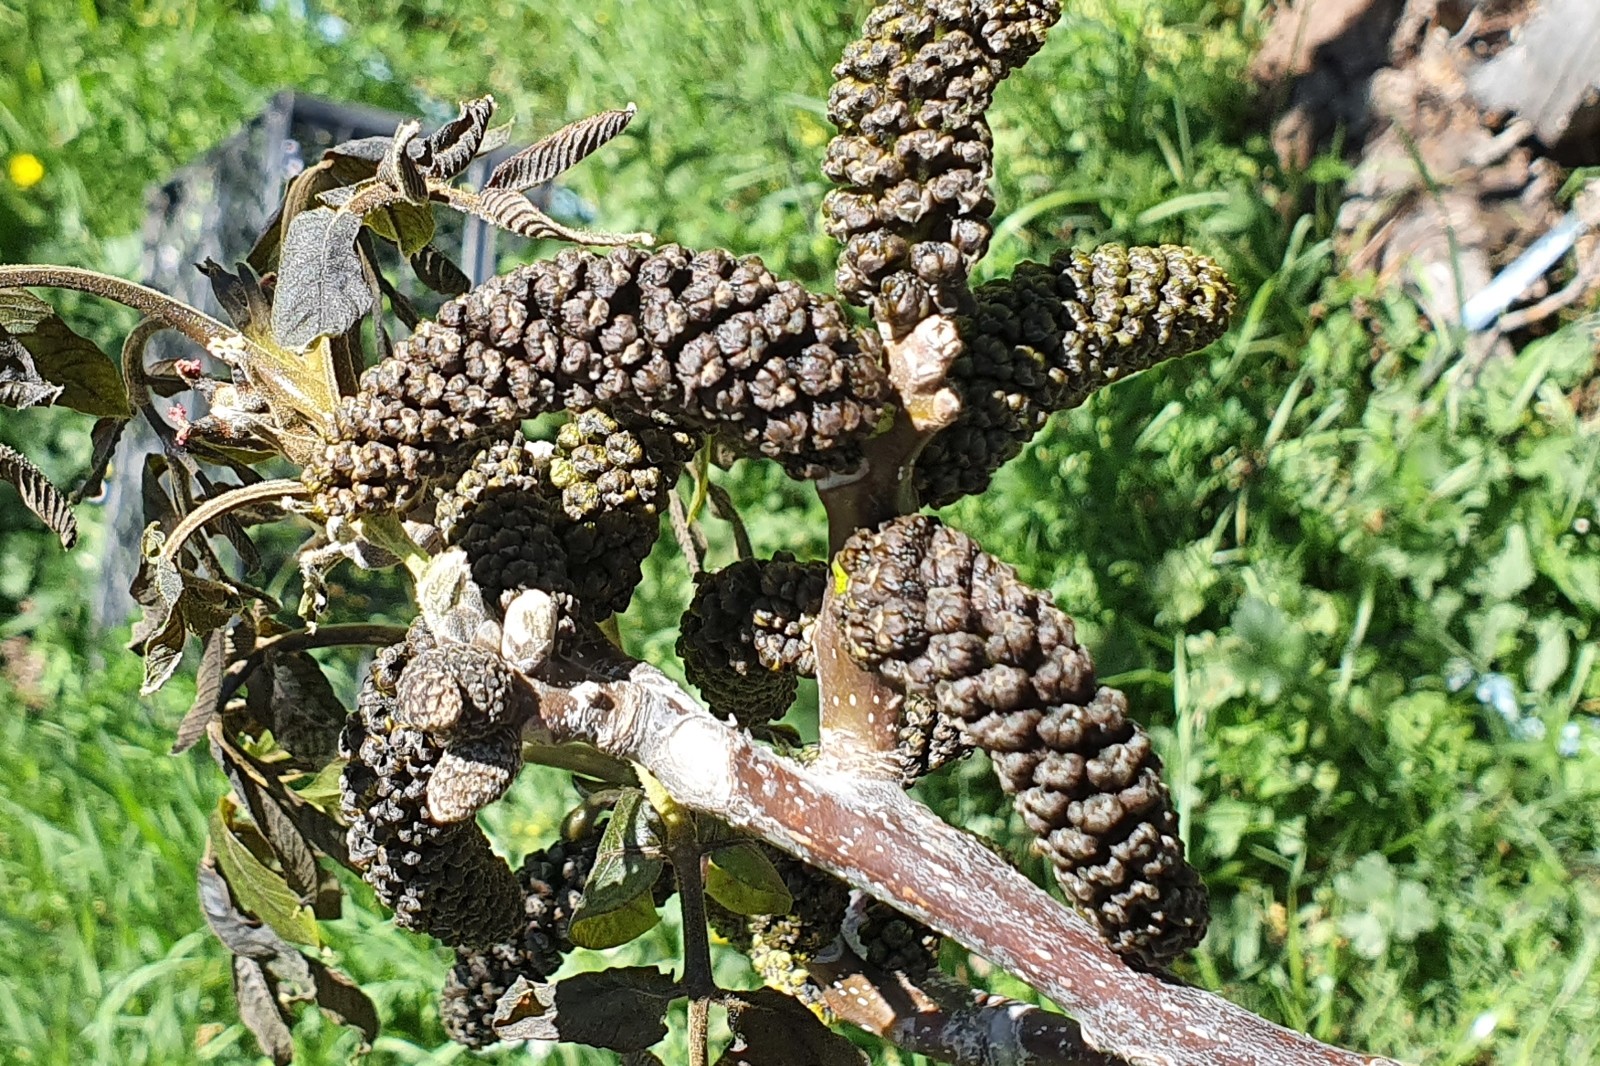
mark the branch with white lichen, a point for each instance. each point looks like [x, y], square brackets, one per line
[878, 839]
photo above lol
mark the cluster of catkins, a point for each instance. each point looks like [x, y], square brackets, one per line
[940, 619]
[914, 156]
[575, 518]
[433, 739]
[706, 341]
[746, 637]
[653, 350]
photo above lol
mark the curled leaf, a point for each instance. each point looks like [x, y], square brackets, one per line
[21, 386]
[256, 994]
[88, 378]
[399, 169]
[542, 161]
[454, 144]
[241, 298]
[105, 435]
[439, 272]
[39, 495]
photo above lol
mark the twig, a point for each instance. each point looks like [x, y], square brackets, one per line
[933, 1015]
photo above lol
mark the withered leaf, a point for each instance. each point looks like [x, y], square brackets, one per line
[542, 161]
[262, 1013]
[620, 1009]
[88, 378]
[207, 705]
[343, 999]
[20, 383]
[399, 169]
[105, 435]
[39, 495]
[322, 290]
[439, 272]
[241, 298]
[276, 960]
[772, 1029]
[398, 303]
[454, 144]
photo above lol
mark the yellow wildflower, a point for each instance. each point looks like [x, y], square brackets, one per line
[25, 170]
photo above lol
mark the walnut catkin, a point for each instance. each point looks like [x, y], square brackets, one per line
[1047, 337]
[708, 341]
[746, 637]
[577, 517]
[552, 881]
[938, 617]
[441, 878]
[914, 156]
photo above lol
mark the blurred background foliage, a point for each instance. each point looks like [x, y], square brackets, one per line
[1350, 583]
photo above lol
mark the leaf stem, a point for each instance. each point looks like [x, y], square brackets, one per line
[230, 501]
[196, 325]
[685, 853]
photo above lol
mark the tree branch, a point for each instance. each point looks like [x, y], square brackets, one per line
[934, 1015]
[881, 841]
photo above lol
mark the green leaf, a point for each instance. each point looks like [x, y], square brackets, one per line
[743, 879]
[324, 790]
[1550, 656]
[620, 1009]
[259, 891]
[617, 904]
[1414, 912]
[407, 226]
[88, 378]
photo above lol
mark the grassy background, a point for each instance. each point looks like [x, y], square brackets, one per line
[1304, 553]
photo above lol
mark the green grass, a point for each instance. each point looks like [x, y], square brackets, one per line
[1281, 548]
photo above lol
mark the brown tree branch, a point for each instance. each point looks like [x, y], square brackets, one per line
[936, 1016]
[878, 839]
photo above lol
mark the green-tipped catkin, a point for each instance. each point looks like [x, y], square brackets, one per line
[575, 518]
[1045, 338]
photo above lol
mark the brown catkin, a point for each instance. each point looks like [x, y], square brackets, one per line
[1047, 337]
[552, 881]
[708, 341]
[441, 879]
[746, 637]
[914, 157]
[939, 618]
